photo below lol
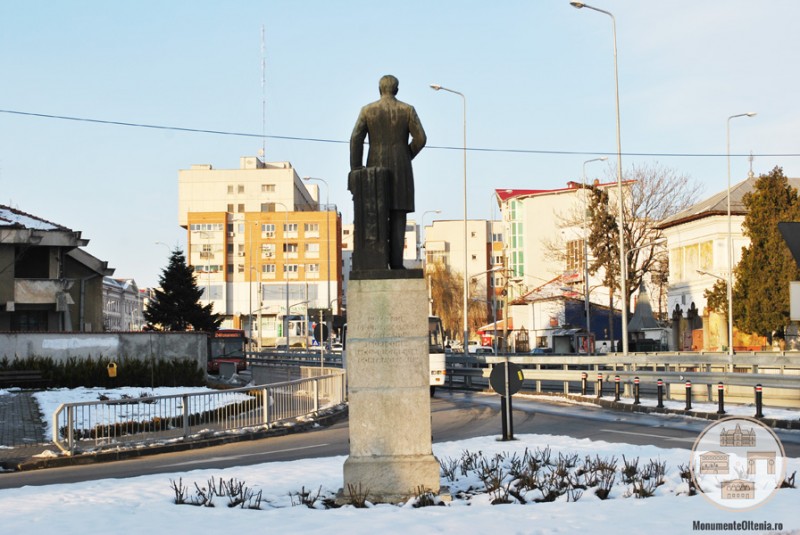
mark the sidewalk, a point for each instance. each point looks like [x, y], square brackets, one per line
[22, 433]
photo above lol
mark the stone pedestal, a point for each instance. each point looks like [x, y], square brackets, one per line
[391, 457]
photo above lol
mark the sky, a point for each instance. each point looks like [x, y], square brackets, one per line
[537, 80]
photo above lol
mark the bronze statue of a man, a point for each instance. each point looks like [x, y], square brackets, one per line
[389, 123]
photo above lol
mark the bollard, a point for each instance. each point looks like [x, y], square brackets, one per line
[616, 388]
[636, 391]
[688, 395]
[660, 385]
[759, 414]
[721, 398]
[584, 376]
[599, 387]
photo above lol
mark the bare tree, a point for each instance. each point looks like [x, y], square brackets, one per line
[651, 193]
[447, 292]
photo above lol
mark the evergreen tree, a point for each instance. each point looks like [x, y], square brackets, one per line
[761, 289]
[176, 306]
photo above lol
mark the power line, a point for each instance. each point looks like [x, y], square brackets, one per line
[336, 141]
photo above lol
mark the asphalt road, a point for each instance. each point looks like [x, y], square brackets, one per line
[455, 416]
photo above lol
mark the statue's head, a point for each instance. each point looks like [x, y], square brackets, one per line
[388, 85]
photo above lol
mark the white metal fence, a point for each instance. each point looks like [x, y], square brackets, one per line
[95, 424]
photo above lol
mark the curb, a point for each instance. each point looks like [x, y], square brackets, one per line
[330, 417]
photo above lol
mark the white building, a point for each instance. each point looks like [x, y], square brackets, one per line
[698, 242]
[123, 305]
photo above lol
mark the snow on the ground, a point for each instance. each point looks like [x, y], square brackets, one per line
[146, 504]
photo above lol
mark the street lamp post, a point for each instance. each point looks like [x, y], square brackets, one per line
[730, 235]
[422, 229]
[327, 249]
[423, 260]
[623, 264]
[437, 87]
[285, 273]
[207, 254]
[587, 304]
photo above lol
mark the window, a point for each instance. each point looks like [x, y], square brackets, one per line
[312, 249]
[230, 248]
[268, 268]
[575, 255]
[240, 188]
[474, 234]
[346, 232]
[230, 189]
[199, 227]
[290, 268]
[311, 227]
[268, 230]
[290, 248]
[497, 237]
[240, 268]
[268, 250]
[240, 208]
[267, 188]
[474, 257]
[230, 208]
[290, 227]
[312, 268]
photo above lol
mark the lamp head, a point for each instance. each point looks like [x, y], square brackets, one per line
[577, 5]
[603, 158]
[436, 87]
[751, 114]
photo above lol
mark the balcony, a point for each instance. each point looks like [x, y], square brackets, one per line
[42, 291]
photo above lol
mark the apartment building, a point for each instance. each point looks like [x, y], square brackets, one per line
[266, 252]
[444, 243]
[545, 232]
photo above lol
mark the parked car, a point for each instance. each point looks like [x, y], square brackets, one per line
[541, 351]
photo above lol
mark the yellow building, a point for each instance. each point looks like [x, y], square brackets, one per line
[260, 243]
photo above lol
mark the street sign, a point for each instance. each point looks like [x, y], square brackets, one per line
[497, 379]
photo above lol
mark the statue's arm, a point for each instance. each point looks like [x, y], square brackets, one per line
[357, 142]
[418, 137]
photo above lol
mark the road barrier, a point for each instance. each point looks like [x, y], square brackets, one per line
[149, 419]
[678, 376]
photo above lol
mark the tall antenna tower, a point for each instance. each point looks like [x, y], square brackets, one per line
[263, 151]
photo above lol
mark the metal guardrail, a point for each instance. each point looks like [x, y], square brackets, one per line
[771, 370]
[295, 357]
[95, 424]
